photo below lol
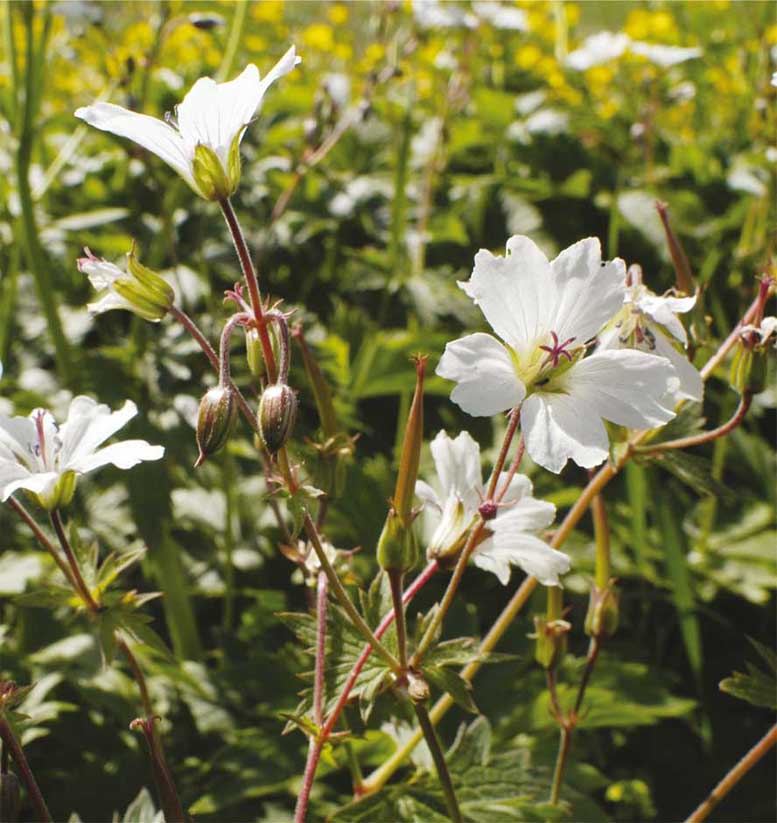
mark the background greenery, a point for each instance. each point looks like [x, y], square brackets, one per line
[458, 138]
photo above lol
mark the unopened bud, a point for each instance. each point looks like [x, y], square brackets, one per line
[397, 546]
[417, 687]
[277, 415]
[551, 637]
[10, 797]
[215, 420]
[601, 621]
[748, 369]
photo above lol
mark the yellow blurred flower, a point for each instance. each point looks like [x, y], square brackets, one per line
[528, 56]
[267, 11]
[319, 36]
[342, 51]
[337, 14]
[643, 24]
[255, 43]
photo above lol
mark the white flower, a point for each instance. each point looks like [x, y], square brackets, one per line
[648, 323]
[501, 15]
[45, 459]
[546, 313]
[606, 45]
[774, 78]
[597, 49]
[433, 14]
[212, 115]
[510, 539]
[138, 289]
[665, 56]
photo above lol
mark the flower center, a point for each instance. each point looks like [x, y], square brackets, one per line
[557, 350]
[633, 325]
[40, 447]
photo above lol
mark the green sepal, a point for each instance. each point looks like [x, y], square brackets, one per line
[209, 175]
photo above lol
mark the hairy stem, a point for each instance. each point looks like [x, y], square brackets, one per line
[761, 748]
[25, 772]
[433, 741]
[395, 582]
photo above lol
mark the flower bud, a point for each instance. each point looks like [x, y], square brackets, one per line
[277, 415]
[215, 420]
[397, 545]
[10, 797]
[411, 448]
[748, 369]
[601, 621]
[551, 637]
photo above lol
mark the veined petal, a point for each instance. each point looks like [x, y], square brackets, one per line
[691, 386]
[526, 514]
[42, 483]
[163, 140]
[101, 273]
[483, 369]
[624, 386]
[517, 548]
[458, 467]
[281, 68]
[514, 292]
[108, 300]
[88, 425]
[11, 472]
[427, 495]
[123, 455]
[664, 309]
[556, 427]
[19, 435]
[588, 293]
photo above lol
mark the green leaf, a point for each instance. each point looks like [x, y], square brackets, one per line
[692, 470]
[674, 547]
[491, 786]
[757, 687]
[454, 684]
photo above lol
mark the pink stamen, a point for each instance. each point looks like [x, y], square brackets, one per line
[39, 417]
[557, 350]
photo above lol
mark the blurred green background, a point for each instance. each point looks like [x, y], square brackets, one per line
[411, 136]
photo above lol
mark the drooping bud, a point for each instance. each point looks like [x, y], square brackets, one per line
[601, 621]
[748, 369]
[397, 546]
[551, 641]
[214, 182]
[138, 289]
[411, 449]
[215, 420]
[277, 415]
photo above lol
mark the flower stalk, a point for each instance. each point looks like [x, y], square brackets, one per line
[433, 741]
[12, 745]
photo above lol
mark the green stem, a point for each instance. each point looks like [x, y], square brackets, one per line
[28, 778]
[342, 595]
[235, 33]
[433, 742]
[30, 239]
[395, 581]
[565, 741]
[602, 539]
[80, 584]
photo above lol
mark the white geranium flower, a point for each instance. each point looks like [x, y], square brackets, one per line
[136, 289]
[38, 455]
[665, 56]
[597, 49]
[649, 323]
[606, 45]
[511, 540]
[546, 313]
[202, 142]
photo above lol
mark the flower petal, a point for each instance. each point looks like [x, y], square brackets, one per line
[458, 467]
[483, 369]
[163, 140]
[664, 309]
[588, 293]
[427, 495]
[526, 514]
[691, 385]
[11, 472]
[88, 425]
[41, 483]
[624, 386]
[514, 292]
[557, 427]
[517, 548]
[123, 455]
